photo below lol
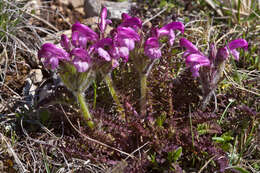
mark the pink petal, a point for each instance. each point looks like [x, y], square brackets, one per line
[84, 31]
[103, 22]
[80, 65]
[235, 54]
[65, 42]
[80, 53]
[188, 45]
[104, 54]
[197, 59]
[239, 43]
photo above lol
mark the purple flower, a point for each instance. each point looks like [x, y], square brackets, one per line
[133, 22]
[52, 55]
[195, 61]
[80, 59]
[223, 53]
[124, 41]
[101, 46]
[152, 45]
[191, 48]
[194, 58]
[168, 30]
[65, 42]
[103, 22]
[126, 36]
[81, 34]
[152, 48]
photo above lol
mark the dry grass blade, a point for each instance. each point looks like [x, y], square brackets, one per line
[16, 158]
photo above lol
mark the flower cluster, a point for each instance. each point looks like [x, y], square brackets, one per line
[86, 47]
[210, 68]
[195, 59]
[89, 52]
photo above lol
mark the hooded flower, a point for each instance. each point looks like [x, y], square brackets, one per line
[124, 41]
[152, 48]
[133, 22]
[168, 30]
[100, 48]
[152, 45]
[223, 53]
[52, 55]
[81, 34]
[81, 59]
[194, 58]
[103, 21]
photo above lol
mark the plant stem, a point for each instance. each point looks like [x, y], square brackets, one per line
[143, 99]
[84, 109]
[113, 93]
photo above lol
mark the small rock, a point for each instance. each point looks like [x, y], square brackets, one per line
[76, 3]
[115, 9]
[92, 7]
[36, 75]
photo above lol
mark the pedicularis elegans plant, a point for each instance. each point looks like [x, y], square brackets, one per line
[210, 68]
[87, 53]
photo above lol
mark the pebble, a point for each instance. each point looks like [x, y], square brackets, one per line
[115, 9]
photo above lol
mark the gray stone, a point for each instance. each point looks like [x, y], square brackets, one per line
[92, 7]
[36, 75]
[115, 9]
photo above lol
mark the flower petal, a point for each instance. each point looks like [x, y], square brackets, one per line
[171, 37]
[235, 54]
[49, 50]
[195, 70]
[129, 43]
[80, 65]
[168, 29]
[80, 54]
[174, 26]
[153, 53]
[188, 45]
[52, 55]
[238, 43]
[115, 63]
[103, 53]
[152, 42]
[127, 32]
[84, 31]
[194, 59]
[103, 22]
[152, 48]
[65, 42]
[129, 21]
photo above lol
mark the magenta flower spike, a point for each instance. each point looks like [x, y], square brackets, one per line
[81, 59]
[133, 22]
[239, 43]
[152, 48]
[103, 22]
[81, 34]
[223, 53]
[195, 61]
[194, 58]
[191, 48]
[52, 55]
[126, 36]
[99, 48]
[65, 42]
[168, 30]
